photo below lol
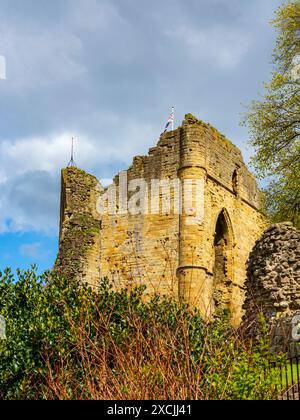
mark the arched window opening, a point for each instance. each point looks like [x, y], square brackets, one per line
[222, 266]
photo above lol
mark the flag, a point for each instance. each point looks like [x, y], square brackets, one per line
[170, 121]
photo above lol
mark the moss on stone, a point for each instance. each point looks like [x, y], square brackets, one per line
[192, 120]
[79, 227]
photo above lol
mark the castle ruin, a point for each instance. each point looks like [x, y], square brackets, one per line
[197, 258]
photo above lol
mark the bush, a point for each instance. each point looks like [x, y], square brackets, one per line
[66, 341]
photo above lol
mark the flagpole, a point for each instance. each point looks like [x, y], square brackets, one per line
[72, 151]
[72, 163]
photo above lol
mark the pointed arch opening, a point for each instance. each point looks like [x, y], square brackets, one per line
[235, 182]
[223, 265]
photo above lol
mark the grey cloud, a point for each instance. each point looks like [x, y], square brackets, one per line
[31, 202]
[108, 71]
[114, 55]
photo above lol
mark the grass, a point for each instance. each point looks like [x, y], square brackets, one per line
[290, 375]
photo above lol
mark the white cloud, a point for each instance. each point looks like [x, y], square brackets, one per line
[51, 153]
[30, 171]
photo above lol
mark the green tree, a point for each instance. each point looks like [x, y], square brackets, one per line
[274, 121]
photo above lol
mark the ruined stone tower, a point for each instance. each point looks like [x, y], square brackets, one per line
[197, 257]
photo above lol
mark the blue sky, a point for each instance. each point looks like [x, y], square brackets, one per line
[107, 72]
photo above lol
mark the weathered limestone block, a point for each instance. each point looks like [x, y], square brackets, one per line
[273, 284]
[273, 274]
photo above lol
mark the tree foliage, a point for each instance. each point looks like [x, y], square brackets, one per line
[274, 120]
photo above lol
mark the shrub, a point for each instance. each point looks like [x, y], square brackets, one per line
[67, 341]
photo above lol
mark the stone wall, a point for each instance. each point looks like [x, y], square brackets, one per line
[79, 257]
[165, 251]
[273, 274]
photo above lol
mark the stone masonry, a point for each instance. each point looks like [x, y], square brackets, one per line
[203, 262]
[273, 284]
[273, 274]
